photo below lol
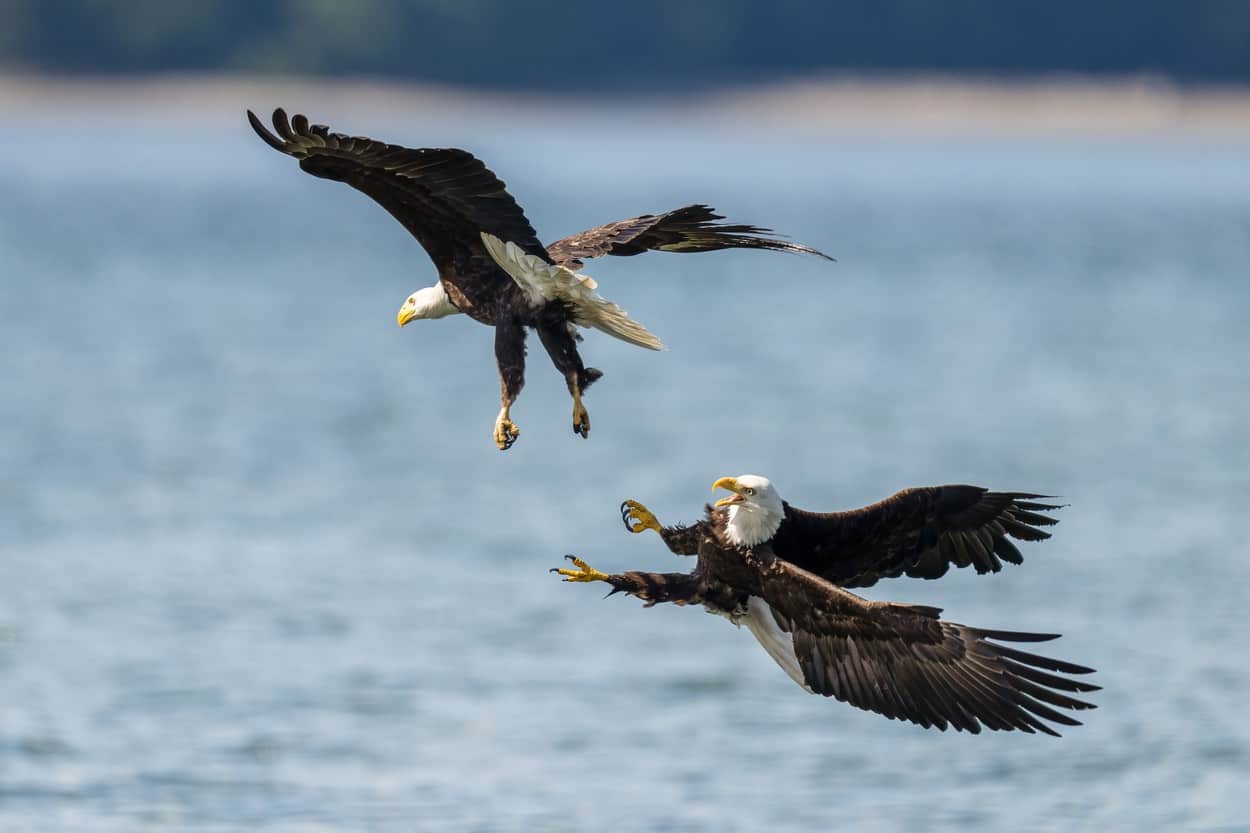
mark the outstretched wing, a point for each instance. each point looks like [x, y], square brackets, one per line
[690, 229]
[917, 532]
[444, 196]
[903, 662]
[541, 282]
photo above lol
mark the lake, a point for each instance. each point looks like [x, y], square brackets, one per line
[262, 568]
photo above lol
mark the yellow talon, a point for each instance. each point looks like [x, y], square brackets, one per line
[638, 518]
[581, 418]
[584, 571]
[506, 432]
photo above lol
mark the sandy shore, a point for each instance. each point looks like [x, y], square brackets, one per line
[925, 105]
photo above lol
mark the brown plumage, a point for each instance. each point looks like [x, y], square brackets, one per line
[898, 660]
[447, 198]
[689, 229]
[916, 532]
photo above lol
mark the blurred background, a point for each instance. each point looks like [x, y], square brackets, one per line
[262, 568]
[645, 46]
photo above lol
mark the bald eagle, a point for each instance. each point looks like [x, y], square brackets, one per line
[490, 263]
[781, 572]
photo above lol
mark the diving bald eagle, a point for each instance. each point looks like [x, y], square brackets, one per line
[491, 265]
[781, 572]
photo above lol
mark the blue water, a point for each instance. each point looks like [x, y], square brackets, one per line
[262, 568]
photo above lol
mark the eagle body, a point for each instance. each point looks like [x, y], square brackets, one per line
[486, 297]
[490, 264]
[781, 572]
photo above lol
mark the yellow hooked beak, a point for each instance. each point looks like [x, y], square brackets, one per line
[406, 312]
[731, 484]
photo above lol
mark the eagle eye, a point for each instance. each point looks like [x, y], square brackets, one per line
[749, 491]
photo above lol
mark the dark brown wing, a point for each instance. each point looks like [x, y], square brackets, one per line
[917, 532]
[690, 229]
[444, 196]
[903, 662]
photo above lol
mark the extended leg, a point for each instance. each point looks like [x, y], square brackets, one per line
[510, 359]
[581, 417]
[562, 349]
[652, 588]
[681, 540]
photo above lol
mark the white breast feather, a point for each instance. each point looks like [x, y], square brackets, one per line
[542, 282]
[749, 525]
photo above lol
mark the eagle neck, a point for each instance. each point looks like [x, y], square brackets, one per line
[433, 302]
[747, 525]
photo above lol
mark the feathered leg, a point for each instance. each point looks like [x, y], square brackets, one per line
[510, 359]
[562, 349]
[652, 588]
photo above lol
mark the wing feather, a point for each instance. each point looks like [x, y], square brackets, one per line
[693, 228]
[916, 532]
[905, 663]
[443, 196]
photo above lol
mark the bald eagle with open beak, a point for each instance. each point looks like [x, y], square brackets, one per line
[491, 265]
[780, 571]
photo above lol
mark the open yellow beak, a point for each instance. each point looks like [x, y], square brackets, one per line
[406, 312]
[731, 484]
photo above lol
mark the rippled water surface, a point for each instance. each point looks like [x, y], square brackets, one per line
[261, 567]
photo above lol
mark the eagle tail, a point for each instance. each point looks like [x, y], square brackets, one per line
[542, 282]
[773, 638]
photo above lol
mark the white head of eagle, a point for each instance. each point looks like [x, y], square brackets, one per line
[755, 510]
[431, 302]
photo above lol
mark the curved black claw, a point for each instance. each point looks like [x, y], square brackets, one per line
[568, 556]
[625, 514]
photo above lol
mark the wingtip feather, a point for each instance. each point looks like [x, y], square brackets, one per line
[1015, 636]
[281, 124]
[264, 133]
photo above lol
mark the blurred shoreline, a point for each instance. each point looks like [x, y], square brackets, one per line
[925, 105]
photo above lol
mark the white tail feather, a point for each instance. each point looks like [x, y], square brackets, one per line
[779, 644]
[542, 282]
